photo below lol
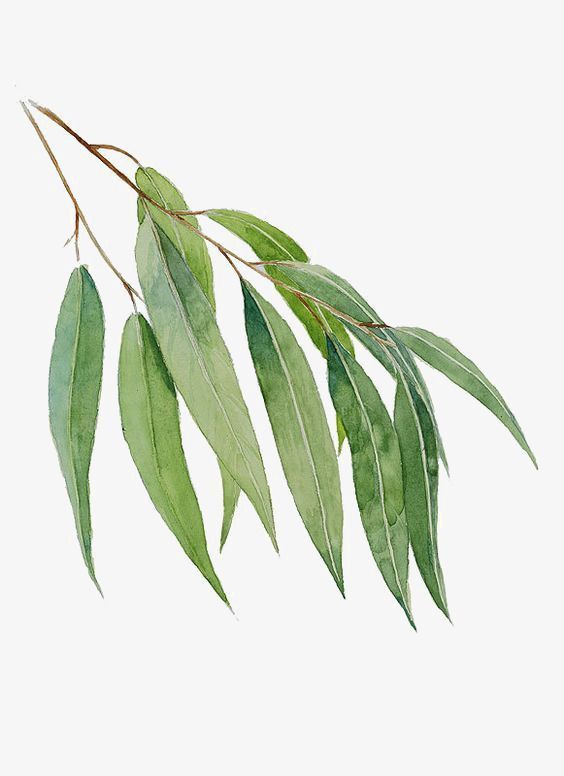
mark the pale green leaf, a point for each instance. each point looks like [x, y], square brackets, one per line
[151, 427]
[441, 354]
[75, 377]
[418, 448]
[200, 364]
[194, 251]
[268, 242]
[299, 426]
[189, 245]
[377, 468]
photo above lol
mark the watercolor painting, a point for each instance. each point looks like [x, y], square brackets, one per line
[172, 350]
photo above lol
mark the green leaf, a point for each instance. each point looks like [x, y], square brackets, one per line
[299, 426]
[317, 332]
[189, 245]
[377, 468]
[200, 364]
[75, 377]
[328, 287]
[418, 448]
[442, 355]
[268, 242]
[231, 492]
[194, 251]
[151, 427]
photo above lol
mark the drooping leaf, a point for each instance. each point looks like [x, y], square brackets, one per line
[299, 426]
[189, 245]
[151, 427]
[322, 284]
[231, 492]
[200, 364]
[75, 377]
[441, 354]
[268, 242]
[377, 468]
[194, 251]
[418, 448]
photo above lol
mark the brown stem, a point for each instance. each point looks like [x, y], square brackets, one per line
[79, 215]
[178, 215]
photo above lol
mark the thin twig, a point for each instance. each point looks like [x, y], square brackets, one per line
[178, 215]
[78, 212]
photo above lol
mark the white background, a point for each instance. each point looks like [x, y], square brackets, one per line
[416, 148]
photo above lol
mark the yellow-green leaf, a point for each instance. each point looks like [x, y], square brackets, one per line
[151, 427]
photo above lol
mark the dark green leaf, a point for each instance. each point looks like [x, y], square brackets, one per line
[189, 245]
[299, 426]
[377, 468]
[268, 242]
[75, 377]
[420, 477]
[200, 364]
[321, 283]
[149, 416]
[441, 354]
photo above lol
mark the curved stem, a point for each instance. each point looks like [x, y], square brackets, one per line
[79, 215]
[178, 215]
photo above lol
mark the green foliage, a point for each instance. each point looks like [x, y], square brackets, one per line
[299, 426]
[75, 378]
[151, 427]
[200, 364]
[395, 461]
[377, 468]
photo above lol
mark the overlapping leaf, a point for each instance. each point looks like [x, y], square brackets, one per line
[377, 468]
[189, 245]
[418, 448]
[319, 282]
[442, 354]
[75, 377]
[194, 251]
[150, 421]
[299, 426]
[200, 364]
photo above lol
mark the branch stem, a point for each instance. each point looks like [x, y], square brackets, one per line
[79, 215]
[179, 215]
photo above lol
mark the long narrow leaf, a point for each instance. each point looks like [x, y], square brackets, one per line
[377, 468]
[442, 355]
[299, 426]
[151, 427]
[200, 364]
[75, 377]
[418, 448]
[194, 251]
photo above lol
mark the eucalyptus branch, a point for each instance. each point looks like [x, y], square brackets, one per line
[180, 351]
